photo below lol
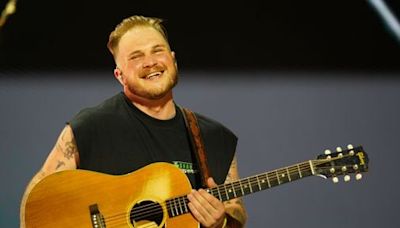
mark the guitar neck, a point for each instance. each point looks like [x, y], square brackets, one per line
[262, 181]
[246, 186]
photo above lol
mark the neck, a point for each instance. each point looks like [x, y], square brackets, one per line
[162, 108]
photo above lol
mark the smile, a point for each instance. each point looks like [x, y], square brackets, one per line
[153, 75]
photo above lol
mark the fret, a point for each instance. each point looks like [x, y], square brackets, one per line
[176, 208]
[180, 206]
[233, 189]
[288, 174]
[272, 179]
[258, 183]
[184, 204]
[247, 188]
[249, 185]
[298, 168]
[264, 183]
[283, 174]
[277, 176]
[251, 188]
[269, 183]
[219, 193]
[312, 167]
[226, 193]
[171, 208]
[241, 187]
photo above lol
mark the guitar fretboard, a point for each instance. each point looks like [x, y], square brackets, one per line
[245, 186]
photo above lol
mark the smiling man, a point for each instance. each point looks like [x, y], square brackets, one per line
[142, 125]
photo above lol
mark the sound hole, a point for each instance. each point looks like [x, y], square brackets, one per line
[146, 214]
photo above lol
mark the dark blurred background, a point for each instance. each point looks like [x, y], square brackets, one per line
[207, 35]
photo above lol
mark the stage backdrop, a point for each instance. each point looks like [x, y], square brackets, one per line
[280, 119]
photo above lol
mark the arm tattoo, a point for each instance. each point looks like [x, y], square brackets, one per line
[70, 150]
[228, 178]
[233, 166]
[234, 163]
[59, 164]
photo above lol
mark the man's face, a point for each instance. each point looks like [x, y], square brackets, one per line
[146, 66]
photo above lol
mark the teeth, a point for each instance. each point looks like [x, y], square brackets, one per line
[155, 74]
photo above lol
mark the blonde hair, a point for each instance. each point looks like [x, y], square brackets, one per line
[131, 22]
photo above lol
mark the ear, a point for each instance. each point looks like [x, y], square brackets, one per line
[118, 75]
[173, 56]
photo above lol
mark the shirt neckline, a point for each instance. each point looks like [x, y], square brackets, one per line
[154, 121]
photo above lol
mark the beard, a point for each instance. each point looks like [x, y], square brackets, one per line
[154, 92]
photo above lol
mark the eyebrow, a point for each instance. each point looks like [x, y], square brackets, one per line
[159, 45]
[155, 46]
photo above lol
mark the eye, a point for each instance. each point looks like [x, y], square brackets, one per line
[133, 57]
[158, 50]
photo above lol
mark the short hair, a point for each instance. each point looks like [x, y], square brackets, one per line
[131, 22]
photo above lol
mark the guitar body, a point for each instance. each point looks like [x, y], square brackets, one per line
[155, 196]
[71, 198]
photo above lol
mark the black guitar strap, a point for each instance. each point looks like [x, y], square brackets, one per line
[197, 144]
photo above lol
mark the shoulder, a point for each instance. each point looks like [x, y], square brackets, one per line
[220, 143]
[212, 126]
[107, 109]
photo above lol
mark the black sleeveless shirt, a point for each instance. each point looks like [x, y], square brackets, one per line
[115, 137]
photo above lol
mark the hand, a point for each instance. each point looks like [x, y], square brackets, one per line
[207, 209]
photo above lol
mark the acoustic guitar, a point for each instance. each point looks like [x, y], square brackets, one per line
[155, 195]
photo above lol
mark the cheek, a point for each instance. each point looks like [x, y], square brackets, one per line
[166, 59]
[132, 70]
[133, 66]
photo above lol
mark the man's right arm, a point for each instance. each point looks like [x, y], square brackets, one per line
[64, 156]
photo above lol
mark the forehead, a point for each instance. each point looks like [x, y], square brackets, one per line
[139, 39]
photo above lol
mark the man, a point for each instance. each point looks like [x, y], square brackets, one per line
[143, 125]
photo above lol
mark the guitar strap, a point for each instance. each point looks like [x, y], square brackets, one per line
[197, 144]
[198, 147]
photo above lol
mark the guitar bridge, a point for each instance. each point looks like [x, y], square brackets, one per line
[96, 217]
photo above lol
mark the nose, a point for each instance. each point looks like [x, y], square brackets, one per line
[149, 61]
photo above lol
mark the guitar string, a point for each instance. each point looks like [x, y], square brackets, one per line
[143, 211]
[147, 210]
[146, 214]
[185, 199]
[283, 170]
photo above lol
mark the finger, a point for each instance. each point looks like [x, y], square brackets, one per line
[198, 216]
[198, 209]
[201, 204]
[214, 202]
[212, 205]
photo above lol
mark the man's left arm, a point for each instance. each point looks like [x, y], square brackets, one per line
[234, 209]
[211, 212]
